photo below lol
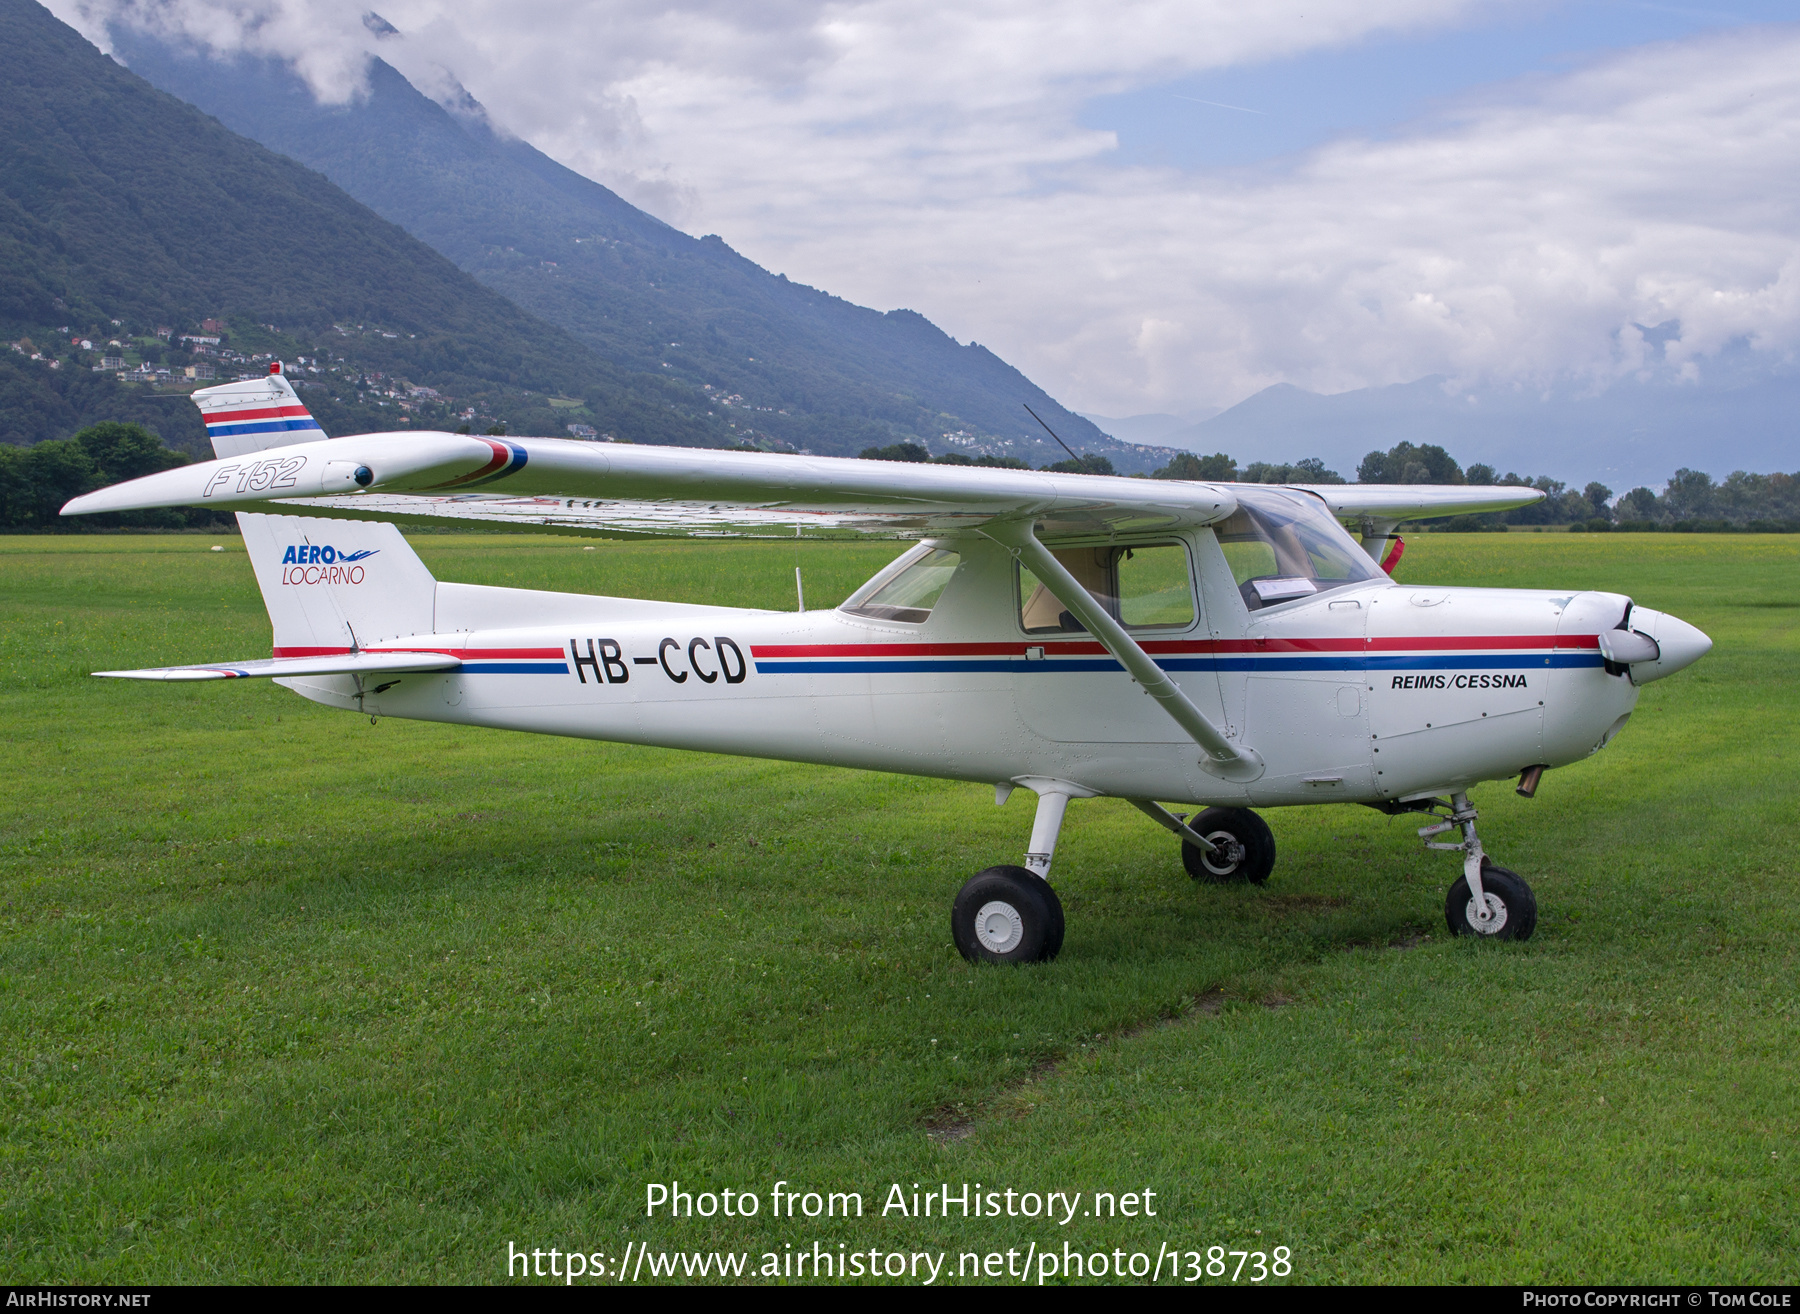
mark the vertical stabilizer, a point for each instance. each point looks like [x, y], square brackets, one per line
[253, 415]
[332, 586]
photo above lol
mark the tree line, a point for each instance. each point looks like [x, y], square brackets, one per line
[1692, 500]
[36, 481]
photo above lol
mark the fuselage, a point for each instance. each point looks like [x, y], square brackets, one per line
[1372, 692]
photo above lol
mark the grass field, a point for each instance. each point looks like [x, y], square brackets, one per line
[287, 996]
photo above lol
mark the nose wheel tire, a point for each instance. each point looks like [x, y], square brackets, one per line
[1007, 915]
[1245, 847]
[1512, 908]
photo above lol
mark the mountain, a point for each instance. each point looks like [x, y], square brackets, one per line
[1152, 428]
[1636, 433]
[122, 210]
[778, 361]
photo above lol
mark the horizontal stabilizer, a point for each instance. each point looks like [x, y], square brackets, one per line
[343, 663]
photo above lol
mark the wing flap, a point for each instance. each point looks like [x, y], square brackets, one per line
[349, 663]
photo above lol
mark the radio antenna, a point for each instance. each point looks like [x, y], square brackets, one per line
[1047, 429]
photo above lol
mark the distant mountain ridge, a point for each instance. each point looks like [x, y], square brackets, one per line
[123, 209]
[776, 360]
[1638, 432]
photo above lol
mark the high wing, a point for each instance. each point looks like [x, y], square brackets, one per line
[622, 490]
[1396, 502]
[629, 491]
[352, 663]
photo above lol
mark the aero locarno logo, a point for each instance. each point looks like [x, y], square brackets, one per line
[315, 563]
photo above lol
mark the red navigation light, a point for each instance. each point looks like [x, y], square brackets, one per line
[274, 367]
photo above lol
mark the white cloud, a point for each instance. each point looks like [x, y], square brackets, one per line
[911, 154]
[1519, 242]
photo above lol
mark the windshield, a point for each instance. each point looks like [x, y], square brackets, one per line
[908, 589]
[1284, 545]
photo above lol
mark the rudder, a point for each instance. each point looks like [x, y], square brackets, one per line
[336, 585]
[253, 415]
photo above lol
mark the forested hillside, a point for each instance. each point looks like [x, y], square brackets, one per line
[777, 359]
[124, 210]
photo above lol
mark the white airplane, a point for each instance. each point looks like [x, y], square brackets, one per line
[1223, 646]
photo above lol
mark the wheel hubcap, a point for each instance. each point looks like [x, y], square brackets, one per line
[1496, 915]
[999, 927]
[1228, 854]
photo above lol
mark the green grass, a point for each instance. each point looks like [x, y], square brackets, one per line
[286, 996]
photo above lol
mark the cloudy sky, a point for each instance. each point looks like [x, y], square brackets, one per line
[1166, 205]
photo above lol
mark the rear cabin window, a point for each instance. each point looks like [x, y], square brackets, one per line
[908, 589]
[1145, 587]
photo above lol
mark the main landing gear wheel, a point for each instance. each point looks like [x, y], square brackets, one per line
[1512, 908]
[1007, 915]
[1245, 847]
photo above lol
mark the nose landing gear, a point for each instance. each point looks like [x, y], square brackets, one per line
[1487, 901]
[1243, 847]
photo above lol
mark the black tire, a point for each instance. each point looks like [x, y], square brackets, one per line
[1247, 844]
[1007, 915]
[1518, 905]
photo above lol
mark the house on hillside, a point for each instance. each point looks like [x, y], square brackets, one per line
[201, 371]
[212, 326]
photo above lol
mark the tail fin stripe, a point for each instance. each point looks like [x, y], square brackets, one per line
[255, 414]
[272, 426]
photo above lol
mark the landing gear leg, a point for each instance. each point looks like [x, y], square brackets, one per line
[1487, 901]
[1010, 914]
[1045, 828]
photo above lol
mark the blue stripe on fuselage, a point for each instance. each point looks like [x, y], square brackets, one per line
[1054, 665]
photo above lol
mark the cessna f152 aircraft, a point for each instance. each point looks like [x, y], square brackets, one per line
[1224, 646]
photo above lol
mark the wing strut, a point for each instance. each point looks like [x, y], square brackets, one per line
[1223, 758]
[1163, 817]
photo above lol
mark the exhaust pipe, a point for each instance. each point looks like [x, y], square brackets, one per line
[1528, 781]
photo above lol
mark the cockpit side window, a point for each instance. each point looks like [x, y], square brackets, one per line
[1284, 545]
[908, 589]
[1144, 586]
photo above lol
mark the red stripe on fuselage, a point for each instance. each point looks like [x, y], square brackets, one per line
[1052, 649]
[464, 653]
[1176, 647]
